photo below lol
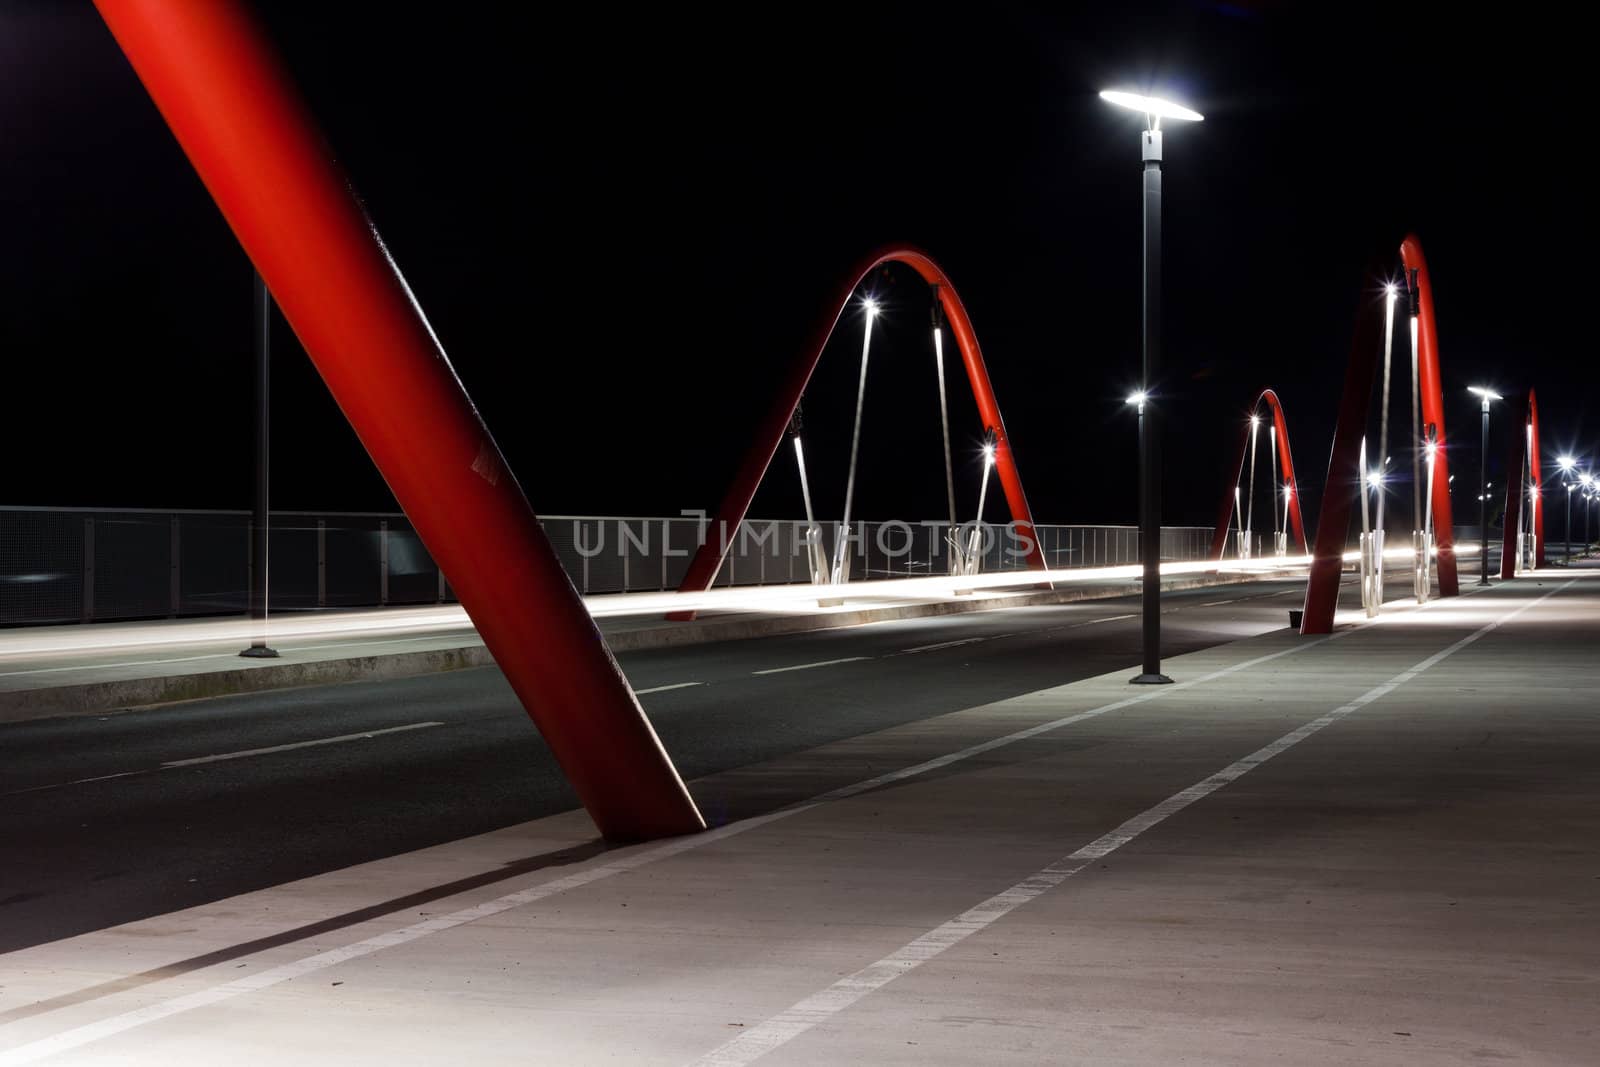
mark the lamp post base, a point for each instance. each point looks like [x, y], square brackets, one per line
[1150, 679]
[259, 652]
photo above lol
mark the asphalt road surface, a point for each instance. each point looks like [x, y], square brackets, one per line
[120, 817]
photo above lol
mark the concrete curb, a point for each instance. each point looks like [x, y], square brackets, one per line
[132, 694]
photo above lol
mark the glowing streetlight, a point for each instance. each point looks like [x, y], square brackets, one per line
[1586, 480]
[841, 551]
[1483, 491]
[1567, 463]
[1570, 487]
[972, 551]
[1154, 109]
[1138, 400]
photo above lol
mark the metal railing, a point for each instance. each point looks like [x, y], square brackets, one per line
[95, 565]
[611, 555]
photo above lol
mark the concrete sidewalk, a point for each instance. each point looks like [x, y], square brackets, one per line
[83, 670]
[1371, 848]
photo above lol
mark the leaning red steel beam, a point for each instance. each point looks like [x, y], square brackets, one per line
[1344, 475]
[1333, 524]
[1432, 396]
[1219, 540]
[230, 103]
[1521, 412]
[724, 524]
[1537, 469]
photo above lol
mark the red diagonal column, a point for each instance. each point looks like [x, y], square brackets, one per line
[236, 114]
[1516, 454]
[1344, 476]
[1537, 469]
[1523, 448]
[1431, 388]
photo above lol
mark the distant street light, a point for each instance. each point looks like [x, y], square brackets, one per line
[1154, 110]
[842, 548]
[1483, 485]
[1566, 464]
[1587, 480]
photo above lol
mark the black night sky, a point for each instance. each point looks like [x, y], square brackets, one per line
[624, 223]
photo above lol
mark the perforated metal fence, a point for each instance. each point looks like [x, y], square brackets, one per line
[88, 565]
[93, 565]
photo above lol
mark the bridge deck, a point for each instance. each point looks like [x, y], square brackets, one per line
[1372, 847]
[76, 670]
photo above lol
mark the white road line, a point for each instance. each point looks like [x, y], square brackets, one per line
[944, 644]
[364, 735]
[1110, 618]
[76, 1037]
[195, 761]
[79, 781]
[818, 1008]
[1214, 603]
[809, 666]
[665, 688]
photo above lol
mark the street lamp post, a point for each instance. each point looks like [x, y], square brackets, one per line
[1483, 485]
[1566, 465]
[1587, 481]
[259, 649]
[1154, 110]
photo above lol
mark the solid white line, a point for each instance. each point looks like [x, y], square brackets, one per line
[78, 781]
[1110, 618]
[818, 1008]
[665, 688]
[943, 644]
[1214, 603]
[808, 666]
[224, 756]
[364, 735]
[116, 1024]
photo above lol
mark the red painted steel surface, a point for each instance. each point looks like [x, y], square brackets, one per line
[1344, 476]
[1322, 589]
[1225, 512]
[1538, 480]
[708, 559]
[1432, 396]
[233, 109]
[1516, 454]
[1526, 436]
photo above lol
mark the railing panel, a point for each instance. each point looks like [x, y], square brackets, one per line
[41, 567]
[152, 563]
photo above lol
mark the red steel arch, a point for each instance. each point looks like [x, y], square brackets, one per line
[1225, 512]
[1333, 523]
[1432, 390]
[708, 559]
[1524, 445]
